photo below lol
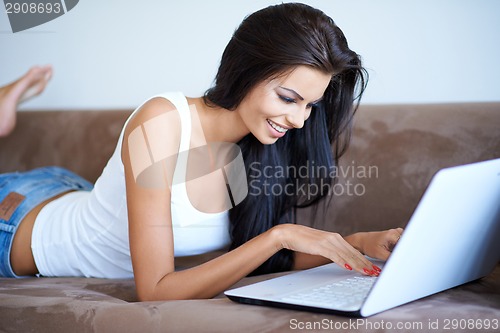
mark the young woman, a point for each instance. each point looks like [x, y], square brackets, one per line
[284, 94]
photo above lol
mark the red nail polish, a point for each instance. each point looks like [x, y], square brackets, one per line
[347, 266]
[377, 269]
[366, 271]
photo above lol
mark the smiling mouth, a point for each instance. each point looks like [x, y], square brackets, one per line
[276, 126]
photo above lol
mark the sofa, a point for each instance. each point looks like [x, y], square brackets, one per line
[403, 144]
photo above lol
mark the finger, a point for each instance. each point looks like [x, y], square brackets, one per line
[393, 237]
[383, 253]
[350, 263]
[357, 261]
[341, 259]
[335, 250]
[399, 232]
[360, 263]
[396, 237]
[346, 256]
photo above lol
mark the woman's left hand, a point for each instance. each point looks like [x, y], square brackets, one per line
[378, 244]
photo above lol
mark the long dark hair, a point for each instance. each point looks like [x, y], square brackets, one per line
[269, 43]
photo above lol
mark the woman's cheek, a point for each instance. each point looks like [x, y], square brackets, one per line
[307, 115]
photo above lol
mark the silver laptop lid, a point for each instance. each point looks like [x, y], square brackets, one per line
[452, 238]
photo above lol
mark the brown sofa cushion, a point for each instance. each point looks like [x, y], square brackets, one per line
[100, 305]
[81, 141]
[406, 143]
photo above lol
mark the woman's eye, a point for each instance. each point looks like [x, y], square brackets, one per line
[287, 99]
[310, 106]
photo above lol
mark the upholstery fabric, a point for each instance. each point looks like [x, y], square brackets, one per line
[404, 144]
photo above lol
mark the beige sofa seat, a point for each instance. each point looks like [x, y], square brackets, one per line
[403, 144]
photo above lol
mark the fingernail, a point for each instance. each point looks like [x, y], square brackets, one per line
[377, 269]
[366, 270]
[374, 273]
[347, 266]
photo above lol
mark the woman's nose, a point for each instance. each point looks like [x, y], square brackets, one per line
[297, 118]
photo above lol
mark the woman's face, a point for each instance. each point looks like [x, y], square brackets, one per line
[276, 106]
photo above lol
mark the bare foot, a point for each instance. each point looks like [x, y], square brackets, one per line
[27, 86]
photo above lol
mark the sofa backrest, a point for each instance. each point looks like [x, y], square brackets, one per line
[394, 151]
[81, 141]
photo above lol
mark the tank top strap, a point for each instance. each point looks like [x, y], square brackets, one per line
[180, 102]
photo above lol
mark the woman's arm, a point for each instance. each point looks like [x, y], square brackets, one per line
[150, 223]
[211, 278]
[155, 132]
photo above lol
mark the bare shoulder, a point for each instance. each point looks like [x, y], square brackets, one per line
[155, 107]
[157, 124]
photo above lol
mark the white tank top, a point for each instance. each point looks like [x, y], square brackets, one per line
[86, 233]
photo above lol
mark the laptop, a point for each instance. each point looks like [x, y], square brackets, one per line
[451, 239]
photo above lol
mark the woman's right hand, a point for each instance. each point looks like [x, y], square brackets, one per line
[329, 245]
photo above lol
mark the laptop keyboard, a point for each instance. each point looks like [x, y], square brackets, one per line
[347, 294]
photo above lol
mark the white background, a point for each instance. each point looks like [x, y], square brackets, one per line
[116, 53]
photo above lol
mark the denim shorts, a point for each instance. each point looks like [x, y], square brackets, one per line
[20, 192]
